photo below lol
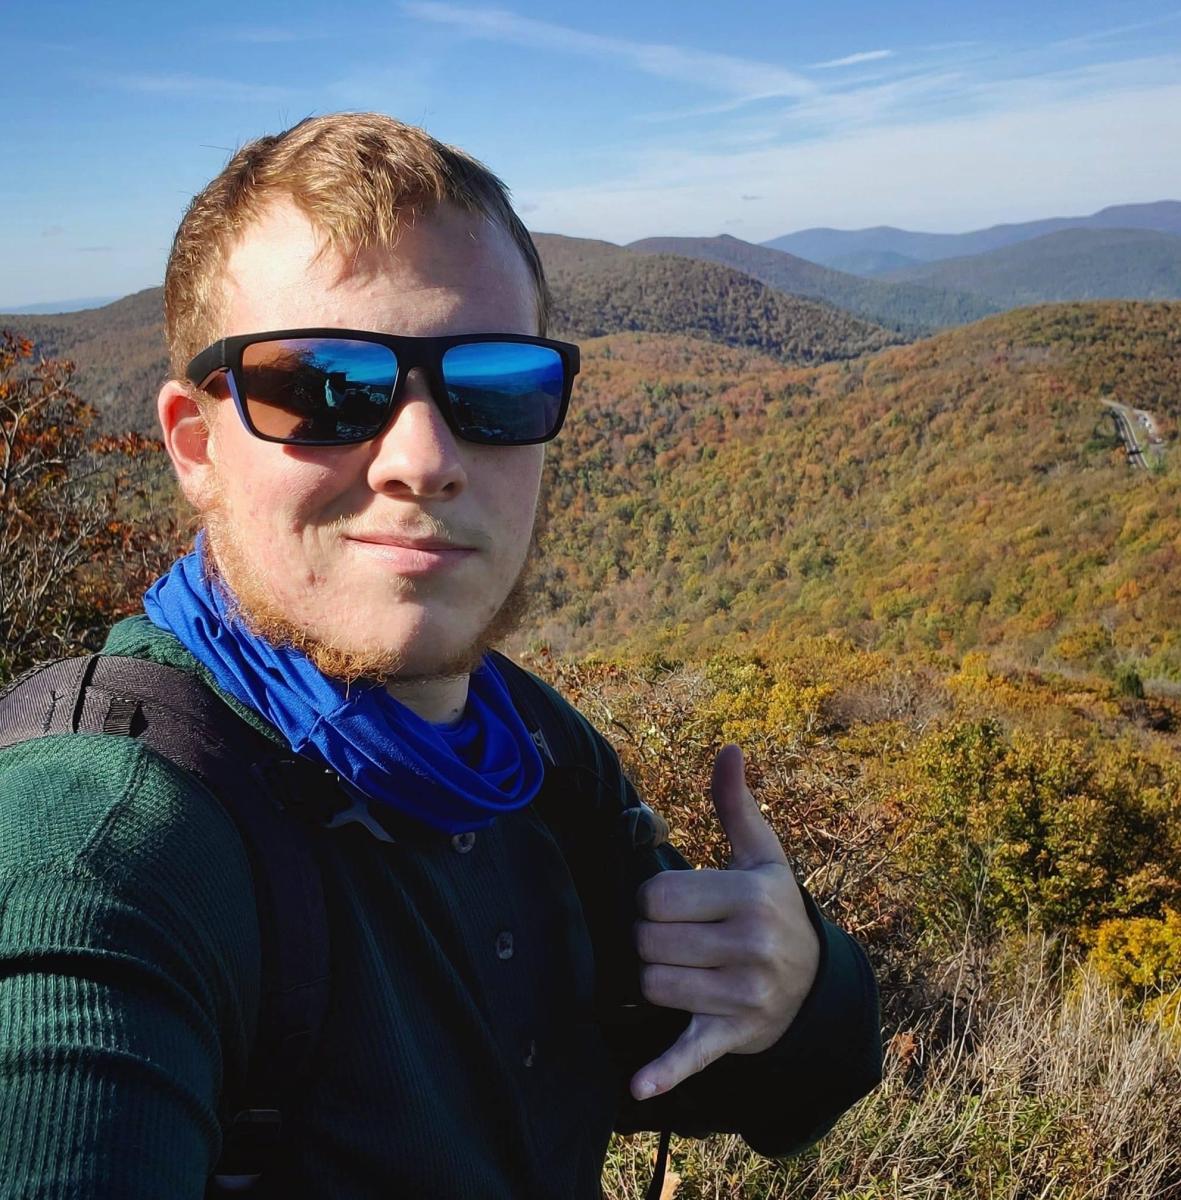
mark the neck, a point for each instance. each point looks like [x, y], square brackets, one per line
[440, 701]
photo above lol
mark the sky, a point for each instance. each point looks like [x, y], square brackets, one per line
[613, 120]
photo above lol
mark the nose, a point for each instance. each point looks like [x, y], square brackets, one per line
[417, 455]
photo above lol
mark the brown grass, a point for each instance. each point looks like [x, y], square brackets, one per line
[1049, 1090]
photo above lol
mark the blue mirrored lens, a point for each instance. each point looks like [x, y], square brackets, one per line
[318, 389]
[504, 392]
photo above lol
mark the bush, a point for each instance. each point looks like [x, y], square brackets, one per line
[1009, 828]
[1141, 958]
[73, 560]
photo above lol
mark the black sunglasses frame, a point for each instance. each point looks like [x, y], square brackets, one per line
[426, 353]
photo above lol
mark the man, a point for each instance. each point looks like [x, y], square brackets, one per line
[356, 562]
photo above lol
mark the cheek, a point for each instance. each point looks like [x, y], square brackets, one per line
[516, 480]
[271, 490]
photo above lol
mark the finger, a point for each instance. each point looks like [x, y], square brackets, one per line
[685, 943]
[694, 895]
[752, 841]
[704, 1041]
[699, 990]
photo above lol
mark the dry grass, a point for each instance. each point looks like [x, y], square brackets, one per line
[1046, 1089]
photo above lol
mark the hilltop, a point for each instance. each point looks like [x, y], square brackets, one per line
[900, 306]
[671, 294]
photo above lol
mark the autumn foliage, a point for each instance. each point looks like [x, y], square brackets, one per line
[76, 555]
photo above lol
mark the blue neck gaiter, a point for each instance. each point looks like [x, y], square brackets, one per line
[452, 778]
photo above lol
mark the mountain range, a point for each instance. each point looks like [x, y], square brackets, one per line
[884, 248]
[725, 290]
[598, 288]
[900, 306]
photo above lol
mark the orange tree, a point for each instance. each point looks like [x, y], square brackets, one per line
[74, 557]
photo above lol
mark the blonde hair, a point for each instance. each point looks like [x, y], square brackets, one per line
[354, 175]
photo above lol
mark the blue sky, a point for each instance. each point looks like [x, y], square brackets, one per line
[617, 120]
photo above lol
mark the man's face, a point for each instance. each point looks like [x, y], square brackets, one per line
[396, 555]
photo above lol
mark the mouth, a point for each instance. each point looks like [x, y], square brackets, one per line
[411, 555]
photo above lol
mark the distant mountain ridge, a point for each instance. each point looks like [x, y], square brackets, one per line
[1070, 264]
[836, 248]
[47, 307]
[900, 306]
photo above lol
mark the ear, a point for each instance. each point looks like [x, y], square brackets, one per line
[187, 439]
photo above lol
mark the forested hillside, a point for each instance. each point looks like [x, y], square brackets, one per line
[901, 306]
[962, 491]
[669, 294]
[117, 350]
[1075, 264]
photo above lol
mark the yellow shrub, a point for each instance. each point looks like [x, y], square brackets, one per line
[1141, 956]
[1166, 1010]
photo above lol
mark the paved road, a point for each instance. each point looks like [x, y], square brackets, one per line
[1125, 423]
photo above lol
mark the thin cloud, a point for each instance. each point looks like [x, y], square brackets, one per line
[1101, 35]
[741, 78]
[1013, 149]
[851, 60]
[52, 231]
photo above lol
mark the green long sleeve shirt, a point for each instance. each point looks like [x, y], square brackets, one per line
[460, 1056]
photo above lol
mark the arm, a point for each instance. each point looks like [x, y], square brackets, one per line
[128, 971]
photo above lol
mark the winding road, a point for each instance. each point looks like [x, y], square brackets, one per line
[1125, 422]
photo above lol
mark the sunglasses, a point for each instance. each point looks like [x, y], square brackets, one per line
[337, 387]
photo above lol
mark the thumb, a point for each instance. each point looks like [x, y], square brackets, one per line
[752, 841]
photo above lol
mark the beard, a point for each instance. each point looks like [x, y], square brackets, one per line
[251, 601]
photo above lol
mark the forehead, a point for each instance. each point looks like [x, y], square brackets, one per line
[449, 272]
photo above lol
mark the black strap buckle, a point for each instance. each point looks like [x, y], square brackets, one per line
[642, 828]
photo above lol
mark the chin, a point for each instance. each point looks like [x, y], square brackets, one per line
[419, 649]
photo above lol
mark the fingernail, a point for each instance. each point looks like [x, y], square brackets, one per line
[647, 1090]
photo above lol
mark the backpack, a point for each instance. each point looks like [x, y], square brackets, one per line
[271, 800]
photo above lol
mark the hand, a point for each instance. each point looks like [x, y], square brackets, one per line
[733, 948]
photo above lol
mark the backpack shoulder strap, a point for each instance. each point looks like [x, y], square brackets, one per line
[564, 743]
[182, 720]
